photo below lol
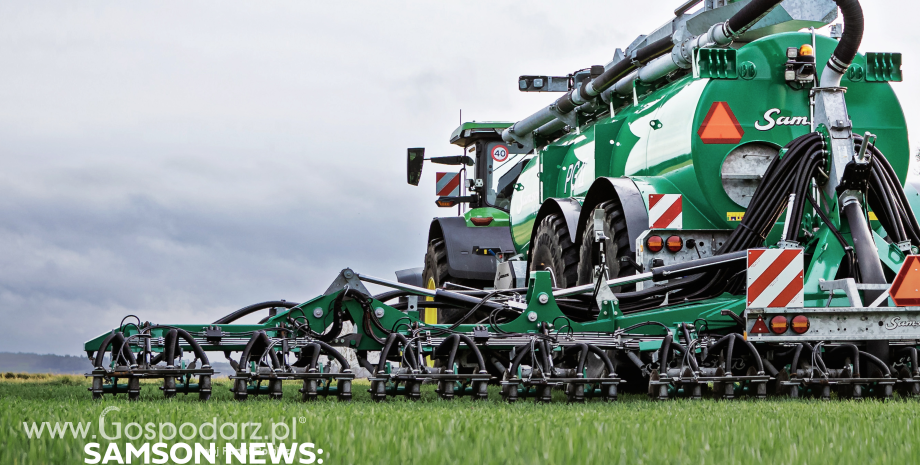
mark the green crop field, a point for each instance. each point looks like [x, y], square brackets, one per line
[631, 431]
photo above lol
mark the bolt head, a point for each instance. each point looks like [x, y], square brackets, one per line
[348, 274]
[318, 312]
[532, 316]
[379, 312]
[543, 298]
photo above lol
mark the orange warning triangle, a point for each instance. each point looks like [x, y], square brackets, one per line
[905, 290]
[720, 126]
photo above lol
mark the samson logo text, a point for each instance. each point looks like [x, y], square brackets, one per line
[771, 122]
[897, 322]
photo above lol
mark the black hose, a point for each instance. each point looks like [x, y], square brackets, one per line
[853, 27]
[877, 362]
[196, 348]
[480, 360]
[912, 352]
[252, 309]
[171, 340]
[388, 346]
[855, 356]
[610, 76]
[750, 14]
[309, 355]
[582, 358]
[795, 358]
[686, 352]
[330, 351]
[117, 340]
[258, 341]
[664, 354]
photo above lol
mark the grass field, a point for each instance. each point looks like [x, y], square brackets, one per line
[630, 431]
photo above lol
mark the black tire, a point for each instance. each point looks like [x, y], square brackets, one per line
[436, 274]
[552, 250]
[615, 247]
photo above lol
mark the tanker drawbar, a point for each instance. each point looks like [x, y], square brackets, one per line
[720, 211]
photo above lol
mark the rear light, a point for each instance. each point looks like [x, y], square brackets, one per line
[654, 243]
[800, 324]
[779, 324]
[484, 221]
[675, 243]
[445, 203]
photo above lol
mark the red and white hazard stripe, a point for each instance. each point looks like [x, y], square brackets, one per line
[665, 211]
[447, 184]
[775, 278]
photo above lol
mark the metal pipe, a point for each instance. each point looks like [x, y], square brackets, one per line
[398, 285]
[586, 288]
[653, 66]
[870, 266]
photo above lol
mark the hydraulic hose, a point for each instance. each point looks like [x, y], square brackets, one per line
[664, 354]
[853, 27]
[750, 14]
[261, 341]
[388, 347]
[302, 361]
[252, 309]
[877, 362]
[117, 341]
[854, 356]
[330, 351]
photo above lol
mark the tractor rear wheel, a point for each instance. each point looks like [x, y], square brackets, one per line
[435, 275]
[553, 251]
[616, 246]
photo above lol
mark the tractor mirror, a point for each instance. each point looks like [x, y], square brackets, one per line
[414, 163]
[455, 160]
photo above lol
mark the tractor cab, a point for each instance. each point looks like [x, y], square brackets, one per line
[498, 163]
[488, 169]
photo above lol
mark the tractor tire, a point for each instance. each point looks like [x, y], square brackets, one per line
[553, 251]
[615, 247]
[436, 274]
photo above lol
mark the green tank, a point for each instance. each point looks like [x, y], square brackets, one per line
[660, 140]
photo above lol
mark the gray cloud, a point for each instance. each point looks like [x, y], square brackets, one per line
[179, 160]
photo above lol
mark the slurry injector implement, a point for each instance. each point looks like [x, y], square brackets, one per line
[721, 210]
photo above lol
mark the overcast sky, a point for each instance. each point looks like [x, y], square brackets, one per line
[180, 160]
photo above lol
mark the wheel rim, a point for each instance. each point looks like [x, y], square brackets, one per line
[430, 315]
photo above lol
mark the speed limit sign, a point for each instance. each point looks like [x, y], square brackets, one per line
[500, 153]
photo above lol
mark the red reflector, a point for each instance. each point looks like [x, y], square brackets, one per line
[800, 324]
[779, 324]
[759, 327]
[654, 243]
[675, 243]
[484, 221]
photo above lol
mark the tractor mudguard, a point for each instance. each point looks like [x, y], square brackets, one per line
[629, 196]
[462, 242]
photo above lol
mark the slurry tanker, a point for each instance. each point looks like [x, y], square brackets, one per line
[721, 210]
